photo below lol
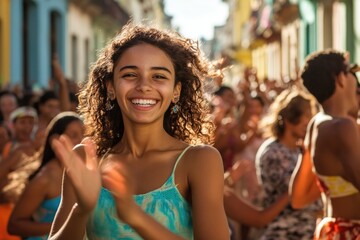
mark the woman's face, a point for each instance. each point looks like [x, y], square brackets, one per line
[229, 98]
[50, 108]
[8, 104]
[255, 107]
[75, 131]
[144, 84]
[299, 129]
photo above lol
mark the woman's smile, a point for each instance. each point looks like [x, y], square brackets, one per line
[143, 103]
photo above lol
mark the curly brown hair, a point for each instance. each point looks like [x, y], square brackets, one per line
[192, 124]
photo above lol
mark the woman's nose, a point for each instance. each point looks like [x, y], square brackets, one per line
[144, 84]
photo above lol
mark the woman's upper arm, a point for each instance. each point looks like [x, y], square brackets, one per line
[206, 179]
[32, 197]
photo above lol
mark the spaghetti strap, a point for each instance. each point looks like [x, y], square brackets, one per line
[104, 156]
[179, 157]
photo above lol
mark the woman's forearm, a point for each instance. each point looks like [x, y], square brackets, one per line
[244, 213]
[26, 228]
[73, 228]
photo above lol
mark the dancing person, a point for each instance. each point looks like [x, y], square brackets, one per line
[330, 165]
[143, 173]
[36, 208]
[276, 158]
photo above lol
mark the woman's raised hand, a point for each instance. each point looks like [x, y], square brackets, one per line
[119, 181]
[81, 168]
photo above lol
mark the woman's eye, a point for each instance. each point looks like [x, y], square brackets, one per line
[159, 77]
[128, 75]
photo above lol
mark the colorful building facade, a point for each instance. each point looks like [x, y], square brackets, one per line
[37, 34]
[278, 35]
[33, 32]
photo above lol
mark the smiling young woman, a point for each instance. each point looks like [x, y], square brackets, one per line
[145, 172]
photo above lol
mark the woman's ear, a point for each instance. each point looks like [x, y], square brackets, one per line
[177, 91]
[110, 90]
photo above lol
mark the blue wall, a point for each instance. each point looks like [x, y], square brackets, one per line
[16, 54]
[38, 44]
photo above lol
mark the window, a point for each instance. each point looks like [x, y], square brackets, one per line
[74, 57]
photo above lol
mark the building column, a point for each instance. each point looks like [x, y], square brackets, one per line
[327, 24]
[4, 42]
[16, 46]
[350, 28]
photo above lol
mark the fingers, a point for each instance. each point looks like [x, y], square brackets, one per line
[67, 153]
[63, 149]
[67, 142]
[59, 149]
[90, 151]
[114, 181]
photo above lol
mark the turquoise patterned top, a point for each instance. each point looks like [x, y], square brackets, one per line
[165, 204]
[46, 214]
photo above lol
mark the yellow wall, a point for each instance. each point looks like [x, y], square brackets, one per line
[241, 14]
[4, 41]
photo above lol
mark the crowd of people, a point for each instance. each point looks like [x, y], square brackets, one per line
[141, 151]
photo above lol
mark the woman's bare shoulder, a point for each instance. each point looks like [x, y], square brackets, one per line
[204, 149]
[201, 155]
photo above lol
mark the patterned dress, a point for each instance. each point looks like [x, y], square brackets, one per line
[275, 164]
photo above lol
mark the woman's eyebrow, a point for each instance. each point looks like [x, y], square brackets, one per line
[126, 67]
[153, 68]
[162, 68]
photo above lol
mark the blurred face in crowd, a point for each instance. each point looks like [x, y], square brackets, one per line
[8, 104]
[229, 98]
[50, 108]
[23, 127]
[255, 107]
[75, 131]
[298, 130]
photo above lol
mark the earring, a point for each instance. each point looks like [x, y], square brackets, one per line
[109, 105]
[176, 107]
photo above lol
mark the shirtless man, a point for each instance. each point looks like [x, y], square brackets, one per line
[331, 147]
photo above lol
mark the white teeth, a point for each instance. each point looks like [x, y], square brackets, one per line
[143, 102]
